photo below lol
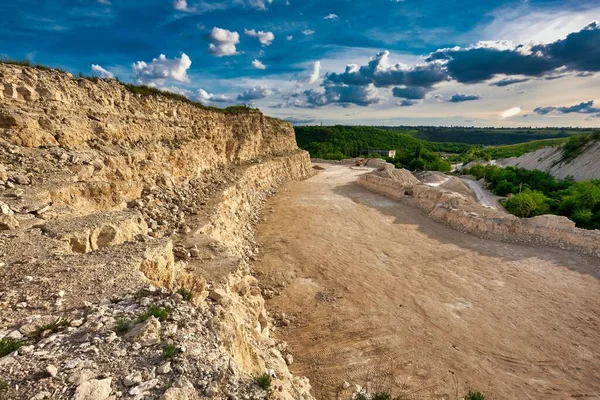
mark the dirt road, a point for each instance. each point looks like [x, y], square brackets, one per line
[375, 291]
[483, 196]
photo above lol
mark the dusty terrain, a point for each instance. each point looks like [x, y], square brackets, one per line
[368, 289]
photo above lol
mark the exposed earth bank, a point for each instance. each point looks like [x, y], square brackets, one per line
[372, 290]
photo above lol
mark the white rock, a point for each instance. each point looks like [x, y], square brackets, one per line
[164, 368]
[95, 389]
[52, 370]
[143, 387]
[132, 379]
[145, 333]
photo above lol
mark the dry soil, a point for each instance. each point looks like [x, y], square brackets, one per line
[377, 292]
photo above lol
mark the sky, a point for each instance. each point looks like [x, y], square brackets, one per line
[372, 62]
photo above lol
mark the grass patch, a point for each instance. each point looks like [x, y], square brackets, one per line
[170, 351]
[158, 312]
[27, 63]
[7, 346]
[46, 330]
[576, 144]
[122, 325]
[264, 381]
[381, 396]
[186, 294]
[474, 396]
[3, 385]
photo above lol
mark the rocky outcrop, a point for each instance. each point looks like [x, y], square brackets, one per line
[118, 205]
[584, 167]
[456, 210]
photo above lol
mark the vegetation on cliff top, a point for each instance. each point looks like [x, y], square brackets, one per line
[536, 192]
[143, 90]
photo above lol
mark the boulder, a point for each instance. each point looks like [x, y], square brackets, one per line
[145, 333]
[95, 389]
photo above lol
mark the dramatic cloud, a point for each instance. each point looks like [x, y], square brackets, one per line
[256, 93]
[161, 69]
[460, 97]
[406, 103]
[265, 38]
[101, 72]
[509, 81]
[300, 120]
[414, 93]
[331, 16]
[343, 95]
[223, 42]
[258, 64]
[586, 107]
[511, 112]
[205, 97]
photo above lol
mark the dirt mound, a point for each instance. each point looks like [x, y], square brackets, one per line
[457, 185]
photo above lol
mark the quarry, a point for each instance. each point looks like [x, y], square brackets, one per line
[151, 248]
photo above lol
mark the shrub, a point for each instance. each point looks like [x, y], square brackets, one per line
[3, 385]
[528, 204]
[474, 396]
[7, 346]
[53, 327]
[186, 294]
[264, 381]
[170, 351]
[381, 396]
[158, 312]
[122, 325]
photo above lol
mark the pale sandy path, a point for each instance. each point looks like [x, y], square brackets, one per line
[373, 286]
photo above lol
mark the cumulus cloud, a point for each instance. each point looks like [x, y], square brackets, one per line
[461, 97]
[181, 5]
[331, 16]
[265, 38]
[258, 64]
[101, 72]
[509, 81]
[413, 93]
[256, 93]
[205, 97]
[343, 95]
[586, 107]
[161, 69]
[223, 42]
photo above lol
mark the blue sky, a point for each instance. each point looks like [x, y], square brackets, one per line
[392, 62]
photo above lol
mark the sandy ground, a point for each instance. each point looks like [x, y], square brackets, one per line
[376, 291]
[482, 195]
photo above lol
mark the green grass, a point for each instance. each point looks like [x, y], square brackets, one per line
[264, 381]
[57, 325]
[474, 396]
[381, 396]
[170, 351]
[122, 325]
[160, 313]
[517, 150]
[186, 294]
[27, 63]
[7, 346]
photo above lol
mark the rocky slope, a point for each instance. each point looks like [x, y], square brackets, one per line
[111, 202]
[584, 167]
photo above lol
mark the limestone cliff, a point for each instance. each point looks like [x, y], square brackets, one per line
[112, 201]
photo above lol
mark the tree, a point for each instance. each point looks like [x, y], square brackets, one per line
[528, 204]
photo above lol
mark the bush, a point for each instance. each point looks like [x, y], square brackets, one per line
[474, 396]
[170, 351]
[122, 325]
[53, 327]
[381, 396]
[7, 346]
[157, 312]
[3, 385]
[527, 204]
[264, 381]
[186, 294]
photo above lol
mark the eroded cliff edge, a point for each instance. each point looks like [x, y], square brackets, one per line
[111, 203]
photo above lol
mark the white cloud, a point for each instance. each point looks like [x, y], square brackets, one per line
[315, 72]
[265, 38]
[308, 32]
[259, 4]
[182, 5]
[101, 72]
[256, 93]
[223, 42]
[290, 37]
[511, 112]
[107, 2]
[162, 68]
[204, 97]
[331, 16]
[258, 64]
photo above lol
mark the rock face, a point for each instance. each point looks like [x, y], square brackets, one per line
[453, 209]
[110, 203]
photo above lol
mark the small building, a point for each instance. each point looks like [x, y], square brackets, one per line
[385, 153]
